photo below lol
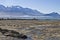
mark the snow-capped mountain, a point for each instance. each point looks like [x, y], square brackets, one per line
[20, 12]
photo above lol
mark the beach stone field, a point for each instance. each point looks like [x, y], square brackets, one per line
[29, 30]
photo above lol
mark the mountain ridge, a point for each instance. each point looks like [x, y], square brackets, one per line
[18, 11]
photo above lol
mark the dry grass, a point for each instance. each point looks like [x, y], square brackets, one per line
[37, 30]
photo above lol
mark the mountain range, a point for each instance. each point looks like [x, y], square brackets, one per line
[20, 12]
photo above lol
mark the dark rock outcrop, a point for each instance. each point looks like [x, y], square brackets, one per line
[12, 33]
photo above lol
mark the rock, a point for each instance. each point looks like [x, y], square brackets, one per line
[12, 33]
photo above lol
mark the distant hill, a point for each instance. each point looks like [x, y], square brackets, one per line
[25, 13]
[53, 14]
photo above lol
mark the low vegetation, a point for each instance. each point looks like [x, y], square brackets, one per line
[35, 29]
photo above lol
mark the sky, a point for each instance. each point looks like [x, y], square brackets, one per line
[44, 6]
